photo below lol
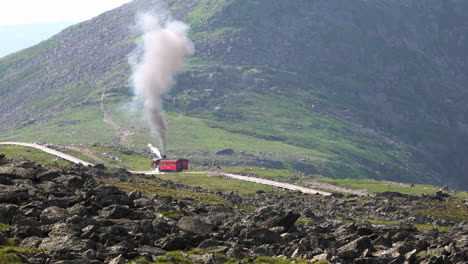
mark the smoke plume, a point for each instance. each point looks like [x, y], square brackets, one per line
[164, 49]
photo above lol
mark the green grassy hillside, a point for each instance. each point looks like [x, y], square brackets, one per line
[314, 86]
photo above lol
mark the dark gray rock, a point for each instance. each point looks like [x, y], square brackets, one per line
[355, 248]
[66, 244]
[120, 249]
[5, 180]
[17, 171]
[210, 243]
[151, 251]
[382, 241]
[14, 195]
[62, 229]
[80, 210]
[70, 181]
[225, 152]
[236, 251]
[115, 211]
[270, 217]
[208, 258]
[117, 260]
[46, 175]
[135, 195]
[27, 230]
[89, 255]
[52, 215]
[7, 211]
[31, 242]
[179, 241]
[195, 225]
[264, 236]
[100, 166]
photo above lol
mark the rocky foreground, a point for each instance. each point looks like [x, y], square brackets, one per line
[69, 215]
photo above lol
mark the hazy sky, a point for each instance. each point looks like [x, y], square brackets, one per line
[14, 12]
[24, 23]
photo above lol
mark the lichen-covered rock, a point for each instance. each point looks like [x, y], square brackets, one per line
[66, 243]
[52, 215]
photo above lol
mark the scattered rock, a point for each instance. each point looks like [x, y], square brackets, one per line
[76, 219]
[356, 248]
[225, 152]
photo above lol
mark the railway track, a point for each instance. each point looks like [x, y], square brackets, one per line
[72, 159]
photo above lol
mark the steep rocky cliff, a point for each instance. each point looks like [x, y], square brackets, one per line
[369, 88]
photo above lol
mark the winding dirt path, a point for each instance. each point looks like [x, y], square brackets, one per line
[122, 133]
[64, 156]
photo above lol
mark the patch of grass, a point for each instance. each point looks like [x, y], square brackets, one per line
[427, 227]
[381, 186]
[302, 221]
[274, 174]
[173, 257]
[130, 161]
[215, 183]
[13, 254]
[79, 155]
[79, 125]
[420, 227]
[461, 194]
[321, 262]
[204, 10]
[4, 226]
[33, 155]
[453, 209]
[149, 187]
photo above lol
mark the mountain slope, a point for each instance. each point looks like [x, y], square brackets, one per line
[362, 89]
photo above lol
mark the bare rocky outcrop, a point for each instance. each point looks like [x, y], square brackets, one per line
[74, 218]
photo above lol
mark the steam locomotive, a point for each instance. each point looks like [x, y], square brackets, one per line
[164, 165]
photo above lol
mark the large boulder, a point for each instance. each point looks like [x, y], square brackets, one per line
[195, 225]
[268, 217]
[70, 181]
[7, 211]
[52, 215]
[151, 251]
[3, 160]
[43, 174]
[264, 236]
[17, 171]
[62, 229]
[115, 211]
[356, 248]
[5, 180]
[227, 151]
[66, 243]
[14, 195]
[31, 242]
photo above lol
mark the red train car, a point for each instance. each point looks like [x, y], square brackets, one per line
[172, 165]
